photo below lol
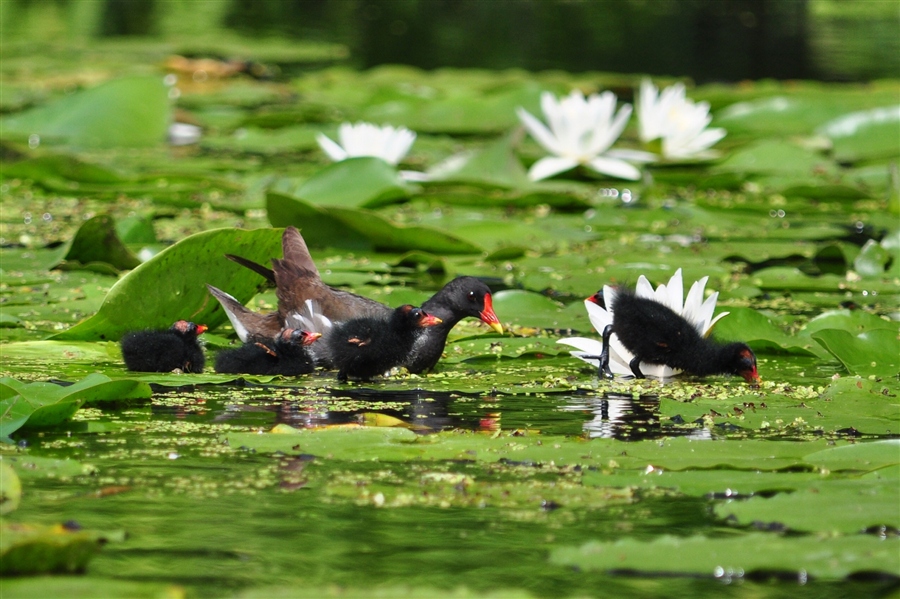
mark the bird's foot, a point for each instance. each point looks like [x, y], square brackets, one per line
[635, 366]
[604, 370]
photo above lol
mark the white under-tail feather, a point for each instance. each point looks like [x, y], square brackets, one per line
[310, 319]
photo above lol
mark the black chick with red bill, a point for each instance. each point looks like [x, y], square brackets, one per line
[176, 348]
[287, 354]
[297, 280]
[361, 348]
[656, 334]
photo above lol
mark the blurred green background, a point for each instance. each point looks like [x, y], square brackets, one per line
[708, 40]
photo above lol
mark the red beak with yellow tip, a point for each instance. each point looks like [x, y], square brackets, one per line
[488, 317]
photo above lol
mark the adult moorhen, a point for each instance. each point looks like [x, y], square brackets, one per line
[371, 345]
[287, 354]
[175, 348]
[655, 334]
[297, 280]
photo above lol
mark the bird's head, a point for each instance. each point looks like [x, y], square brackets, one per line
[185, 327]
[299, 336]
[745, 364]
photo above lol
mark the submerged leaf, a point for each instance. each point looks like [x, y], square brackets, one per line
[28, 549]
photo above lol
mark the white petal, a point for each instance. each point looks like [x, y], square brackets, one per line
[676, 293]
[334, 151]
[415, 176]
[693, 305]
[707, 309]
[619, 357]
[644, 288]
[398, 145]
[638, 156]
[539, 131]
[588, 346]
[606, 134]
[547, 167]
[615, 168]
[599, 317]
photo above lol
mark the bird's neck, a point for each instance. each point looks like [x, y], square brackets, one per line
[448, 317]
[712, 357]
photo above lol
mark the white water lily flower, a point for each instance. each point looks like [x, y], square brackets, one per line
[365, 139]
[581, 131]
[677, 120]
[693, 309]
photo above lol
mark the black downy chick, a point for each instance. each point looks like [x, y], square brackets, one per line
[165, 350]
[655, 334]
[286, 355]
[365, 347]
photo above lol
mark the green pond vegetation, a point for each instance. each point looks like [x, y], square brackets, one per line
[511, 471]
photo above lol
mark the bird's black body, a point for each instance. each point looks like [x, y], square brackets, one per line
[361, 348]
[166, 350]
[655, 334]
[286, 355]
[297, 280]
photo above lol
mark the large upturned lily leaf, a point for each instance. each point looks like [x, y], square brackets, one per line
[128, 112]
[172, 285]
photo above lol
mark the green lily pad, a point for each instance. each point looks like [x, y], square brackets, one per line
[759, 332]
[526, 308]
[172, 285]
[859, 456]
[491, 347]
[865, 135]
[47, 404]
[874, 352]
[834, 506]
[63, 170]
[363, 182]
[127, 112]
[701, 483]
[775, 157]
[852, 321]
[333, 226]
[265, 141]
[496, 165]
[822, 558]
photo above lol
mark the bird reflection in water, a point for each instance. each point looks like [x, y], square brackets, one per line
[624, 418]
[421, 411]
